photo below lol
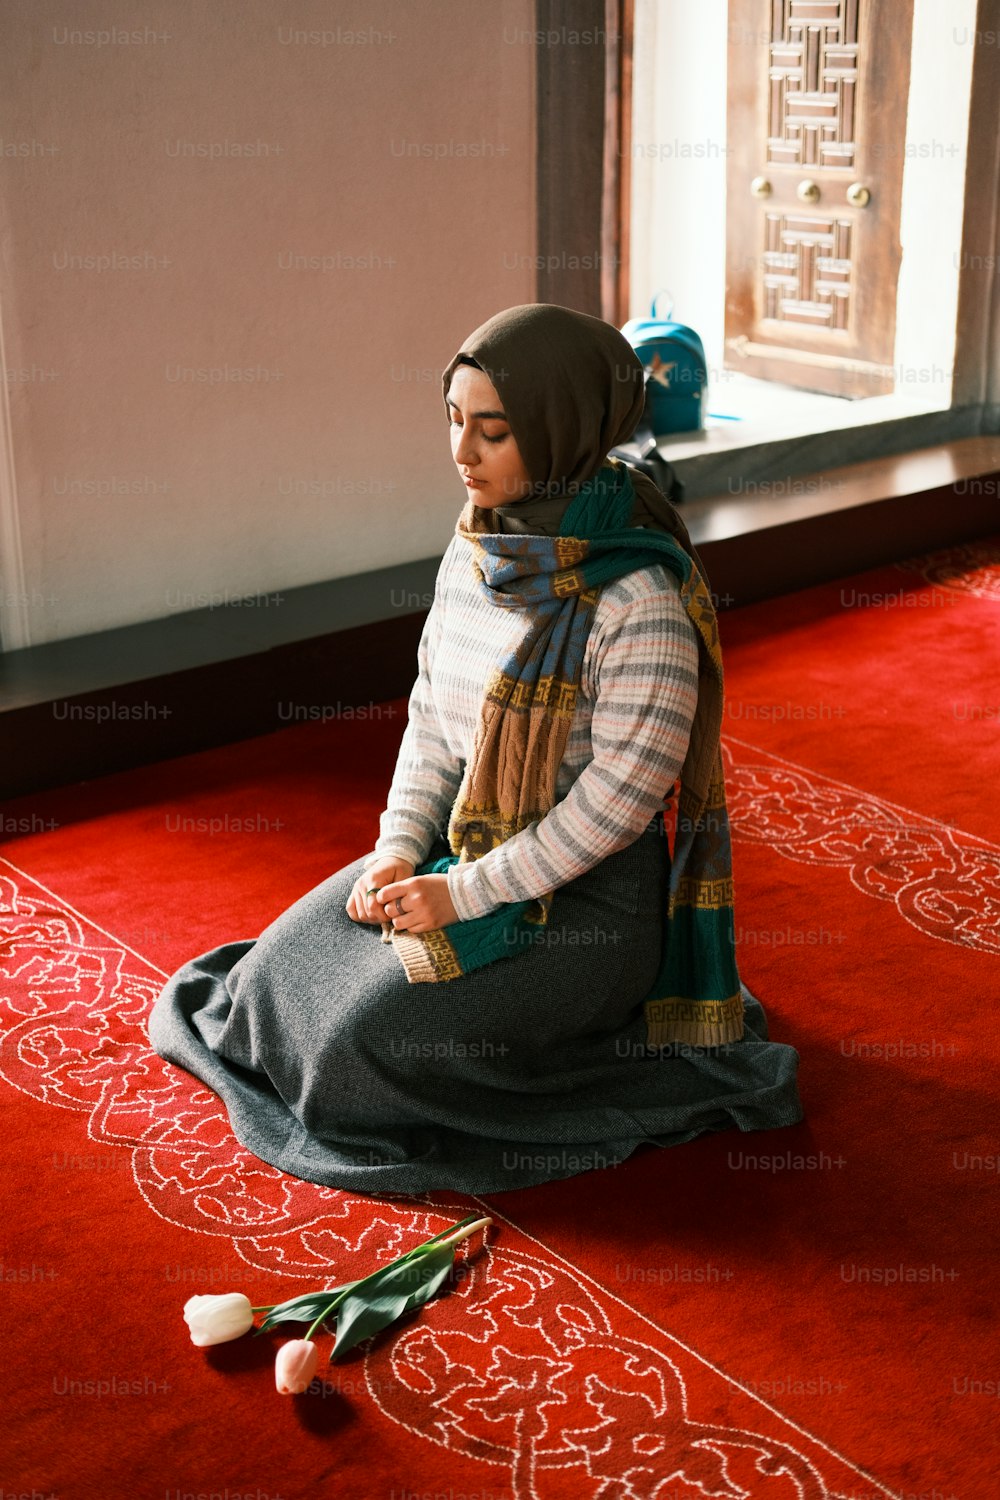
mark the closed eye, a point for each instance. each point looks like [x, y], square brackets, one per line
[498, 438]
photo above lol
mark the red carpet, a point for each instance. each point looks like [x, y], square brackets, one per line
[803, 1313]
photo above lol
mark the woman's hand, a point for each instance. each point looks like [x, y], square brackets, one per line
[425, 901]
[364, 908]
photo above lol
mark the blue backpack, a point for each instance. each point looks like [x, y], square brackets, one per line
[676, 372]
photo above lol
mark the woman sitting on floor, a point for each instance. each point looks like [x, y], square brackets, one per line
[522, 980]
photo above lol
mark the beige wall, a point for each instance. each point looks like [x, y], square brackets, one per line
[410, 151]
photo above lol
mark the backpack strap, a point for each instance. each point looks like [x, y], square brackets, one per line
[642, 452]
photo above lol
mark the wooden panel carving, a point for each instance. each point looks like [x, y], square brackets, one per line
[817, 94]
[813, 82]
[807, 269]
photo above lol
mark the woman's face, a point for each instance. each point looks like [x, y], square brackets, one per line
[482, 443]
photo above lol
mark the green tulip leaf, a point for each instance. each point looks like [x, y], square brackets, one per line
[304, 1309]
[386, 1295]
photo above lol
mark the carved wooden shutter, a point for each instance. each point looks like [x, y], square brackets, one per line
[816, 133]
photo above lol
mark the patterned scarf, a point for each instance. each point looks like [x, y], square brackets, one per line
[520, 741]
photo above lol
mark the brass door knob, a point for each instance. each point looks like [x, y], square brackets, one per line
[808, 191]
[858, 195]
[760, 187]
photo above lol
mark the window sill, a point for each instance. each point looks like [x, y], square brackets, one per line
[883, 479]
[762, 433]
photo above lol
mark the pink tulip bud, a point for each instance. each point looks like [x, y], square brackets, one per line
[295, 1366]
[216, 1319]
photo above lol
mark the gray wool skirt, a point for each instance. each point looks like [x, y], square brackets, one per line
[335, 1068]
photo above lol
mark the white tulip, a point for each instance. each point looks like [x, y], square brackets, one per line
[217, 1319]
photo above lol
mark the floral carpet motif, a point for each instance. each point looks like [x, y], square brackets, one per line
[970, 568]
[942, 881]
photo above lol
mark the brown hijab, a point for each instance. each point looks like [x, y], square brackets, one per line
[572, 388]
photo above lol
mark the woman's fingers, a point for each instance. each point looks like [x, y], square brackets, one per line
[394, 892]
[372, 897]
[362, 905]
[370, 901]
[369, 904]
[406, 891]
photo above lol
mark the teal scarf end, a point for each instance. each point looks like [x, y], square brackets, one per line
[482, 940]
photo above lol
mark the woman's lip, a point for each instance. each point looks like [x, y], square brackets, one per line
[472, 482]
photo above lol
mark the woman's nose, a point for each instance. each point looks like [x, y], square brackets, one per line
[465, 450]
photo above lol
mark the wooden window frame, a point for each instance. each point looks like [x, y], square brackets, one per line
[584, 111]
[976, 380]
[583, 94]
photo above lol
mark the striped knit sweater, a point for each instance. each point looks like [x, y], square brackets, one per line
[626, 746]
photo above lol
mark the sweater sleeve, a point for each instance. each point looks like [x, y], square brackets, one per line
[645, 667]
[427, 774]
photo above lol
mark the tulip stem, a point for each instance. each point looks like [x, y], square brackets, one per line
[321, 1319]
[465, 1232]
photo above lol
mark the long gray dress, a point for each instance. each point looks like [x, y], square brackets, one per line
[336, 1069]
